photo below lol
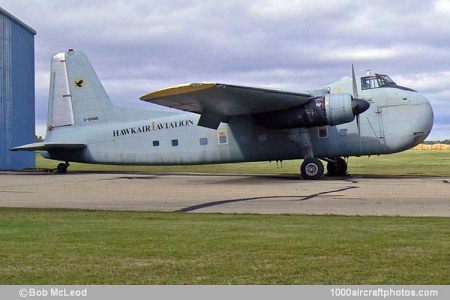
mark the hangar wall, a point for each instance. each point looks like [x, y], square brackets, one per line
[17, 118]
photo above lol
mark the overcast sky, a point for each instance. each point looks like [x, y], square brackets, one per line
[140, 46]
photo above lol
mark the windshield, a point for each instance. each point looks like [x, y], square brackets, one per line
[376, 81]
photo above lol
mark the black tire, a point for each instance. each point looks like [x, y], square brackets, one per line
[337, 167]
[333, 168]
[62, 168]
[311, 168]
[342, 166]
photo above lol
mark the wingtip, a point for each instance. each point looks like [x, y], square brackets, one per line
[178, 90]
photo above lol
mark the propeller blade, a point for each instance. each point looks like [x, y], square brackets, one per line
[358, 107]
[358, 125]
[355, 88]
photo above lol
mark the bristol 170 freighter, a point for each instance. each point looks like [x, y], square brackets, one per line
[222, 123]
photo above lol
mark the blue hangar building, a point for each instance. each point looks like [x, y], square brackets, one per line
[16, 92]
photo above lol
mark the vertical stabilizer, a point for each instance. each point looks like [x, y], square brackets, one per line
[77, 96]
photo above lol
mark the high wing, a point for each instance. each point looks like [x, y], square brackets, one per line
[48, 146]
[218, 102]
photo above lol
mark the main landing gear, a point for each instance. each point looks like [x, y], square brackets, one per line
[62, 167]
[312, 168]
[337, 167]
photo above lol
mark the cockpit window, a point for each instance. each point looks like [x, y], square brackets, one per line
[369, 83]
[376, 81]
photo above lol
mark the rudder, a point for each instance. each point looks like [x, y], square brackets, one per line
[76, 95]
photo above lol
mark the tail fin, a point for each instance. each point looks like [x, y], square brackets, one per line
[76, 95]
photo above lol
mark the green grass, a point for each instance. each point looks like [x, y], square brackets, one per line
[412, 162]
[47, 246]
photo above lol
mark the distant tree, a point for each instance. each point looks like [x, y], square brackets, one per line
[39, 138]
[446, 141]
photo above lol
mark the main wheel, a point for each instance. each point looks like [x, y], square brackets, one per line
[311, 168]
[342, 166]
[62, 168]
[337, 167]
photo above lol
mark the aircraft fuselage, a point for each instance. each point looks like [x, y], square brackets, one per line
[397, 120]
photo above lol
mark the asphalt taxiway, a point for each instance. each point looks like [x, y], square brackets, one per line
[224, 193]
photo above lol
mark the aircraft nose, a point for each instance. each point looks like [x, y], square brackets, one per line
[424, 120]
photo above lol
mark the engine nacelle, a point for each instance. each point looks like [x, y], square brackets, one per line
[339, 108]
[331, 109]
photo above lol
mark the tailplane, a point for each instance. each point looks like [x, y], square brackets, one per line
[76, 96]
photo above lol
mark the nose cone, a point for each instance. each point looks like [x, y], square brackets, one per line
[424, 120]
[408, 125]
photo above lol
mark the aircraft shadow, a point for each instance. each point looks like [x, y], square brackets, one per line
[228, 201]
[253, 177]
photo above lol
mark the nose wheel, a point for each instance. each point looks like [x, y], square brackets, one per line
[311, 168]
[337, 167]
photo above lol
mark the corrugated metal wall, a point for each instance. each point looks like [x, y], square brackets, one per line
[16, 93]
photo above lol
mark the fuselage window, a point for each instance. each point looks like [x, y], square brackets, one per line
[222, 137]
[155, 143]
[203, 141]
[174, 143]
[323, 131]
[343, 132]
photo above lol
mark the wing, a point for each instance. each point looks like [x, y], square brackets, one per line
[218, 102]
[48, 146]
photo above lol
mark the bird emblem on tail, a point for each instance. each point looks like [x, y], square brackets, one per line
[79, 82]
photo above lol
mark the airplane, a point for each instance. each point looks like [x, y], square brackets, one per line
[222, 123]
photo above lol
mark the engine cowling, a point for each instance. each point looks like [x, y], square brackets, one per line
[339, 109]
[331, 109]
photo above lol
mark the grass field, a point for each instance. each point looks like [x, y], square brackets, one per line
[48, 246]
[412, 162]
[45, 246]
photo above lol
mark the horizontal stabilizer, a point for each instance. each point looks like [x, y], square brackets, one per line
[48, 146]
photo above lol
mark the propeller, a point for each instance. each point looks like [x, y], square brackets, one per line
[358, 105]
[355, 88]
